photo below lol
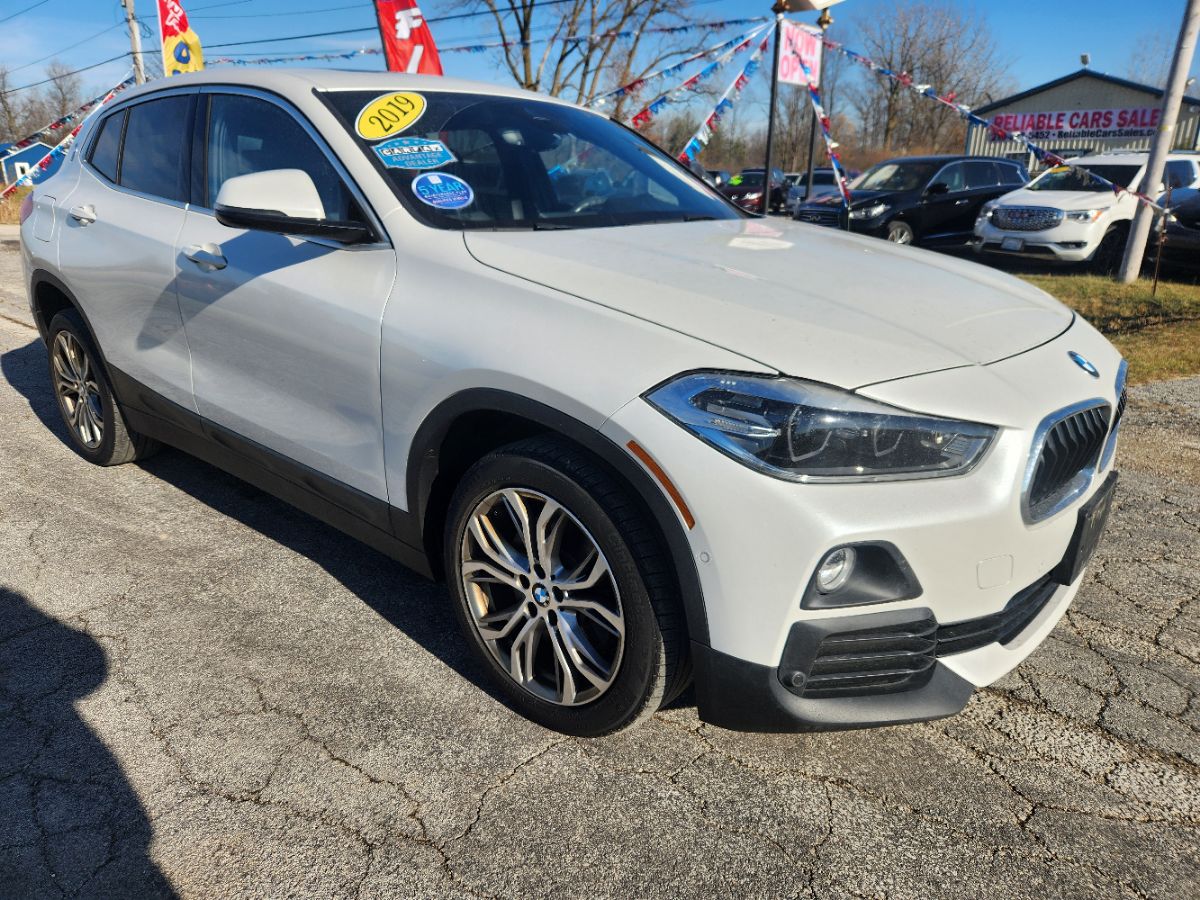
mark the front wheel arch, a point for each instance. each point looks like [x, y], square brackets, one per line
[449, 442]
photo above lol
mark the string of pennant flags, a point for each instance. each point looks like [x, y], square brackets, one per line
[655, 106]
[59, 151]
[831, 145]
[496, 45]
[58, 124]
[708, 127]
[637, 84]
[949, 99]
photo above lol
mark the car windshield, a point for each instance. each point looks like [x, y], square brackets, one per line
[478, 161]
[1067, 178]
[747, 179]
[896, 176]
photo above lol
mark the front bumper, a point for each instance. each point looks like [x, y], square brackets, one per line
[757, 541]
[1070, 242]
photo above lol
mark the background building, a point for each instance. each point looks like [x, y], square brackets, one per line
[13, 167]
[1083, 112]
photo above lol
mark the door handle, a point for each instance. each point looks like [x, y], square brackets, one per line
[963, 202]
[206, 255]
[84, 215]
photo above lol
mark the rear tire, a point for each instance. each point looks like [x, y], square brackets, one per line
[86, 402]
[581, 659]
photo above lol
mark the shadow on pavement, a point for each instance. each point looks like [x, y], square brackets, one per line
[404, 599]
[70, 823]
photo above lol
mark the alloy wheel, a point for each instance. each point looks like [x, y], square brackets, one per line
[898, 233]
[77, 389]
[542, 596]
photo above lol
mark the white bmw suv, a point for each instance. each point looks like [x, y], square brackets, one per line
[646, 439]
[1063, 215]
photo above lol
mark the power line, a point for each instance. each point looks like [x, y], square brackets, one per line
[103, 62]
[65, 49]
[25, 10]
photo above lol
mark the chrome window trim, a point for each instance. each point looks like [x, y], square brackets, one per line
[1079, 484]
[382, 238]
[1110, 444]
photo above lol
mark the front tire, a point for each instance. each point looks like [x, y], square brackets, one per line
[563, 589]
[1108, 256]
[85, 399]
[900, 233]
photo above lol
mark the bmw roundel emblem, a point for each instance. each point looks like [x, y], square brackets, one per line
[1084, 364]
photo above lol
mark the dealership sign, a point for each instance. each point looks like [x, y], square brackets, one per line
[1132, 122]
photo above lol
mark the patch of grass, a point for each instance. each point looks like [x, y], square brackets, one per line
[1159, 335]
[1161, 351]
[10, 206]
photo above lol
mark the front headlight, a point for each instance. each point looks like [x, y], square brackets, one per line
[869, 212]
[985, 213]
[754, 196]
[1085, 215]
[802, 431]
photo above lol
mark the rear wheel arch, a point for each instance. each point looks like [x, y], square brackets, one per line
[50, 297]
[469, 425]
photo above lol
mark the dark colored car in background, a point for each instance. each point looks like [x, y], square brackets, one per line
[1182, 244]
[824, 182]
[919, 199]
[746, 189]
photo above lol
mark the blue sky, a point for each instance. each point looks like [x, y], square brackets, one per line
[1040, 41]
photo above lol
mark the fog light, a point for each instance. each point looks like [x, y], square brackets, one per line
[835, 569]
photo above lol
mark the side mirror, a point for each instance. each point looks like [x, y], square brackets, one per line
[282, 201]
[938, 187]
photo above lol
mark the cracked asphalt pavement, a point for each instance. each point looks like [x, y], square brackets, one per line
[206, 693]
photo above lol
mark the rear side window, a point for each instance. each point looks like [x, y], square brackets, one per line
[156, 140]
[1011, 174]
[107, 147]
[1180, 174]
[981, 175]
[246, 135]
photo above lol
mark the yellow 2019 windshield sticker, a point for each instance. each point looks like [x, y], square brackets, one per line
[389, 115]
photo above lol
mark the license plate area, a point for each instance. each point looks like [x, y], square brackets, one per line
[1089, 527]
[1016, 245]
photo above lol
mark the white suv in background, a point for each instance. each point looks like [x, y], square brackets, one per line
[1063, 215]
[516, 346]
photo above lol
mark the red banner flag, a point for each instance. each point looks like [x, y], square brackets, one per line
[407, 40]
[181, 51]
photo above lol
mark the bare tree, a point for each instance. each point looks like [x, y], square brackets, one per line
[64, 93]
[13, 111]
[1149, 60]
[937, 43]
[580, 54]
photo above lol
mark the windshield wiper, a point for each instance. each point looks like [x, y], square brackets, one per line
[552, 226]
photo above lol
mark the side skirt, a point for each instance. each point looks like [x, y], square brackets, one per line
[375, 522]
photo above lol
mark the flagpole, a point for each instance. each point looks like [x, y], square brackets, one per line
[135, 42]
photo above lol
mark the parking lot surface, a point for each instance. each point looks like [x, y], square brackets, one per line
[204, 692]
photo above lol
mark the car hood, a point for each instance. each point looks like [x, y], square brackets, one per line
[816, 303]
[1059, 199]
[831, 196]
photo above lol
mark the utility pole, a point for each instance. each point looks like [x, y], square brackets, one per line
[780, 7]
[1185, 48]
[135, 42]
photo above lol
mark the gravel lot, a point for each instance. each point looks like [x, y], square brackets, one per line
[204, 692]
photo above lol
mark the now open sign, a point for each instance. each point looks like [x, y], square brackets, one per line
[799, 44]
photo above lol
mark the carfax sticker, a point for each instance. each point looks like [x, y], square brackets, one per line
[442, 191]
[388, 115]
[413, 153]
